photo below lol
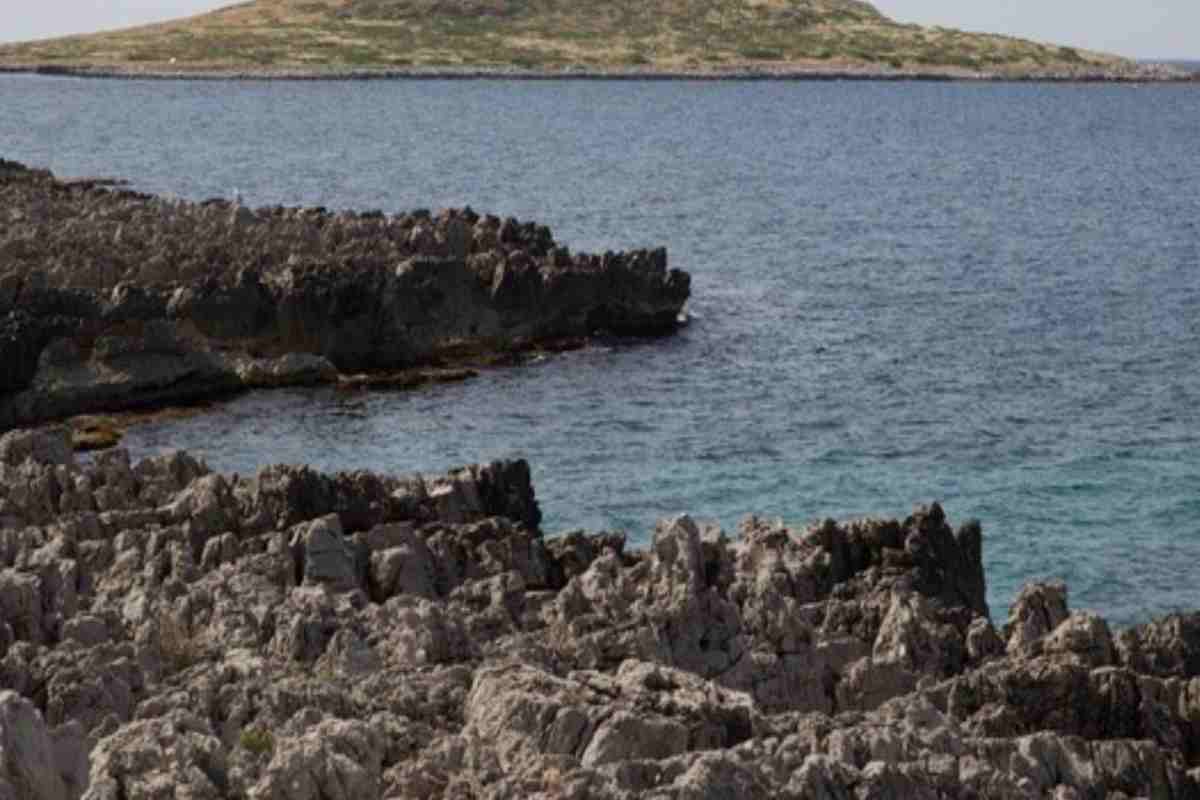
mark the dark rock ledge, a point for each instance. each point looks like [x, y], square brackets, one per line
[167, 632]
[112, 300]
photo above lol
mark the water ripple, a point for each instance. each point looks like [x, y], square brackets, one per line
[983, 295]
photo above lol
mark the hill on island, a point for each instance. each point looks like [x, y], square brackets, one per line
[687, 35]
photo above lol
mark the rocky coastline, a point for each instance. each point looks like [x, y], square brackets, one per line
[171, 632]
[112, 300]
[1140, 73]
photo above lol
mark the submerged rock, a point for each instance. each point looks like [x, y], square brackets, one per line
[167, 631]
[113, 300]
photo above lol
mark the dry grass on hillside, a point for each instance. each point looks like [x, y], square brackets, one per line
[676, 34]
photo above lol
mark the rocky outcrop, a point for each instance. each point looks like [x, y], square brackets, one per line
[111, 299]
[167, 631]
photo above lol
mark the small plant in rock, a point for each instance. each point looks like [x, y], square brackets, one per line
[258, 741]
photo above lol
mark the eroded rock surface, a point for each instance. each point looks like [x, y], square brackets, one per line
[111, 299]
[166, 631]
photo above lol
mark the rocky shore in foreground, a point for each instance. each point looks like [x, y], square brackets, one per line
[113, 300]
[170, 632]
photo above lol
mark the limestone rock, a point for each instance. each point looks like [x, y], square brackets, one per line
[162, 758]
[178, 301]
[291, 369]
[1038, 609]
[332, 760]
[29, 767]
[51, 446]
[304, 635]
[327, 559]
[1085, 635]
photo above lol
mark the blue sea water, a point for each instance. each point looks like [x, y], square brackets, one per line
[984, 295]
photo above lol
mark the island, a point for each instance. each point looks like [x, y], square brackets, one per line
[559, 38]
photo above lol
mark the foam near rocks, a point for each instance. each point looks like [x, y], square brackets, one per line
[302, 635]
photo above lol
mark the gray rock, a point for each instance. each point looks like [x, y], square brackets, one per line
[354, 635]
[404, 567]
[21, 604]
[327, 558]
[982, 640]
[87, 630]
[1086, 636]
[50, 446]
[334, 760]
[181, 301]
[626, 736]
[29, 767]
[1038, 609]
[291, 369]
[168, 757]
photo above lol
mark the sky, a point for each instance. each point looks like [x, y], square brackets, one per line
[1142, 29]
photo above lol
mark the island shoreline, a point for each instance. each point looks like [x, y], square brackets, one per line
[817, 75]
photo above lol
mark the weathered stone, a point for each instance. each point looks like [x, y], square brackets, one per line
[172, 756]
[179, 301]
[982, 640]
[333, 760]
[29, 767]
[1084, 635]
[46, 446]
[404, 568]
[306, 635]
[291, 369]
[1038, 609]
[327, 558]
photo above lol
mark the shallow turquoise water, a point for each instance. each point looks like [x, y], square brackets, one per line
[983, 295]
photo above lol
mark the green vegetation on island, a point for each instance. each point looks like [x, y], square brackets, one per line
[550, 35]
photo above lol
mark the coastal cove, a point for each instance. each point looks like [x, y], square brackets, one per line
[984, 295]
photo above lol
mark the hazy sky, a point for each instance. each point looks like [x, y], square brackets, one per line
[1142, 29]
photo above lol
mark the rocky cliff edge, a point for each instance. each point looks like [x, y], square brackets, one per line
[112, 299]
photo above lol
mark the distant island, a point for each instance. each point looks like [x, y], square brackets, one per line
[534, 38]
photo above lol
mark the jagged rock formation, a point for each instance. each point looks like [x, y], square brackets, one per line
[168, 632]
[111, 299]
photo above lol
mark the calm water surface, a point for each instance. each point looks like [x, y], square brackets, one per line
[984, 295]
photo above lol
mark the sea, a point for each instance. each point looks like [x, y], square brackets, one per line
[983, 295]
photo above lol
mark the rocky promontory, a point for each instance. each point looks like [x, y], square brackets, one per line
[168, 632]
[112, 299]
